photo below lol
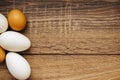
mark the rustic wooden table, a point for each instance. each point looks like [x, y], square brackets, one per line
[71, 39]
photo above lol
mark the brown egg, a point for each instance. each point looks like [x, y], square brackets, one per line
[2, 55]
[16, 20]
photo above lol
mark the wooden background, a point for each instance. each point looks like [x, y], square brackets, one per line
[71, 39]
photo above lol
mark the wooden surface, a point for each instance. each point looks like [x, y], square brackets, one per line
[71, 39]
[70, 67]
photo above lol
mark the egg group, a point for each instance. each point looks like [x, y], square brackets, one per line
[13, 42]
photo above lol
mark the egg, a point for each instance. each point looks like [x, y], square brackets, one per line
[18, 66]
[16, 20]
[14, 41]
[2, 55]
[3, 23]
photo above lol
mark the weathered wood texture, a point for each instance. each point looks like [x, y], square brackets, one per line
[82, 67]
[70, 26]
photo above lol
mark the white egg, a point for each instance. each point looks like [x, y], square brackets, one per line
[18, 66]
[14, 41]
[3, 23]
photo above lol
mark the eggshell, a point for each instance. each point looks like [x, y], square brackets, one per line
[18, 66]
[2, 55]
[16, 20]
[14, 41]
[3, 23]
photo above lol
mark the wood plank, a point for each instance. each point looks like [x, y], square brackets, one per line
[101, 41]
[72, 67]
[70, 26]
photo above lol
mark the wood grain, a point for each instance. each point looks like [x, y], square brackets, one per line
[74, 67]
[62, 32]
[70, 26]
[78, 42]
